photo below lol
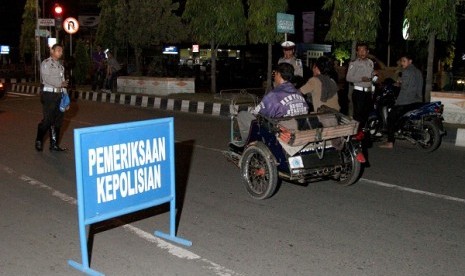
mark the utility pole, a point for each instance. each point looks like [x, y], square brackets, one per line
[389, 38]
[37, 37]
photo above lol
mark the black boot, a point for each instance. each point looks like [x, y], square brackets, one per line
[54, 133]
[39, 138]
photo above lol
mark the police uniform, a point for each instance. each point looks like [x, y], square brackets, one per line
[362, 94]
[295, 62]
[52, 75]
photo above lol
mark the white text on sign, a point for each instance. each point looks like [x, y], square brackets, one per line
[138, 162]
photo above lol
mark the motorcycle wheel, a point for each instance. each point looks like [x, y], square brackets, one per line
[259, 171]
[350, 168]
[431, 137]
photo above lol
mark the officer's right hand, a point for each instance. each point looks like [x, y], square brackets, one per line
[64, 83]
[366, 79]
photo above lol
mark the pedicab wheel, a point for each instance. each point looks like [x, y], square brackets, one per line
[432, 138]
[351, 168]
[259, 171]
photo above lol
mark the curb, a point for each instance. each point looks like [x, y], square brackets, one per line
[146, 101]
[454, 135]
[14, 80]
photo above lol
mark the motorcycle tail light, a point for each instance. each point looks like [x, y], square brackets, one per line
[360, 157]
[359, 136]
[441, 109]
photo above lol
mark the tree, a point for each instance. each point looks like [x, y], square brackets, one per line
[140, 24]
[150, 23]
[261, 24]
[353, 20]
[107, 33]
[83, 65]
[216, 23]
[430, 20]
[27, 40]
[341, 54]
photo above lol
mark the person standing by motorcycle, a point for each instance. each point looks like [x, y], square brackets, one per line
[360, 73]
[410, 95]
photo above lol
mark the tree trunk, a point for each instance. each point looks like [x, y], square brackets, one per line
[269, 67]
[350, 91]
[138, 54]
[429, 68]
[213, 68]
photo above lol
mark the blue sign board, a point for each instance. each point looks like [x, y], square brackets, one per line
[170, 50]
[121, 169]
[285, 23]
[4, 49]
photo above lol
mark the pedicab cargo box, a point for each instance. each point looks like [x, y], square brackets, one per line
[316, 127]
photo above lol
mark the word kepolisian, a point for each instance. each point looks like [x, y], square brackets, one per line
[142, 156]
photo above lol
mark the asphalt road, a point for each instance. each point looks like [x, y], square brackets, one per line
[404, 217]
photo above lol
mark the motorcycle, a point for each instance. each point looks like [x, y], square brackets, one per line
[422, 126]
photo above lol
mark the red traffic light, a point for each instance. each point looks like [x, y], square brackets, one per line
[58, 10]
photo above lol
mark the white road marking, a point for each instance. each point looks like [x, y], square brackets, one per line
[20, 94]
[174, 250]
[184, 253]
[387, 185]
[415, 191]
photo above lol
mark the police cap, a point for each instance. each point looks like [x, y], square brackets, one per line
[288, 45]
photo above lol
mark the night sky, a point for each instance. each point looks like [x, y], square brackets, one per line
[10, 21]
[11, 13]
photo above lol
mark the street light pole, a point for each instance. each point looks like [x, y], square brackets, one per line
[37, 37]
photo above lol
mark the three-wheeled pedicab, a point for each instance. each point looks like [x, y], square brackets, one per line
[301, 149]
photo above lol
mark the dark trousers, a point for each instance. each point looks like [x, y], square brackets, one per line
[393, 120]
[362, 104]
[52, 116]
[111, 80]
[97, 79]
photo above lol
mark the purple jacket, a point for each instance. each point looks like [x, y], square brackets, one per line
[285, 100]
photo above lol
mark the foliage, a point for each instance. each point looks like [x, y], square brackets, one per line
[209, 21]
[216, 24]
[436, 17]
[261, 21]
[261, 25]
[353, 20]
[341, 54]
[449, 57]
[430, 20]
[147, 22]
[107, 34]
[82, 64]
[140, 24]
[27, 39]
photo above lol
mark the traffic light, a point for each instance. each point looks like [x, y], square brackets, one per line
[58, 14]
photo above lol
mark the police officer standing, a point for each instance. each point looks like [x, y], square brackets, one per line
[52, 75]
[289, 57]
[361, 73]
